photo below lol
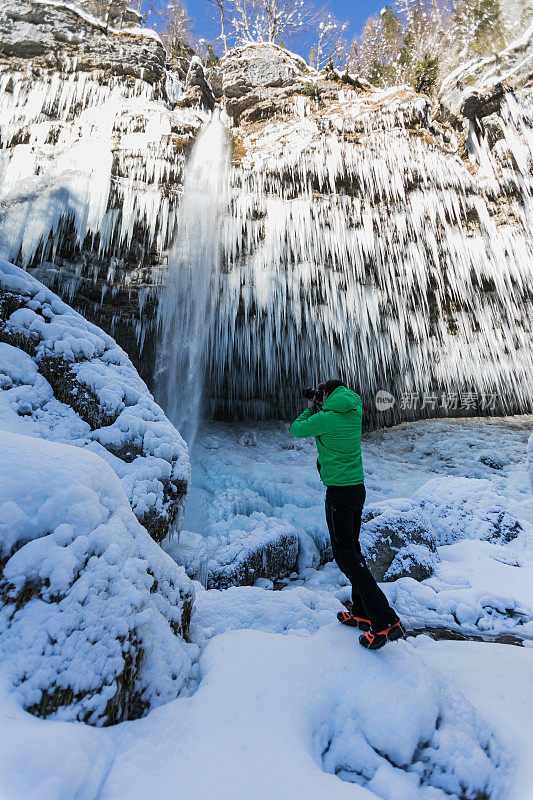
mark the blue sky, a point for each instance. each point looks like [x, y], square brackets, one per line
[354, 11]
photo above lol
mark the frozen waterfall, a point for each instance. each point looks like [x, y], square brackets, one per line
[352, 241]
[357, 248]
[186, 309]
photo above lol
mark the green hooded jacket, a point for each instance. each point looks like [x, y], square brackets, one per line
[337, 429]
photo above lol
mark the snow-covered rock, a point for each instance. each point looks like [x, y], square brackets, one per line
[467, 508]
[476, 90]
[480, 588]
[251, 72]
[93, 613]
[241, 551]
[397, 540]
[293, 610]
[63, 378]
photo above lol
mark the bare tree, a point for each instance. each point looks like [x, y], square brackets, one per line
[269, 20]
[145, 8]
[176, 33]
[330, 42]
[219, 7]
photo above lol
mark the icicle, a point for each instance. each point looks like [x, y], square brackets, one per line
[356, 248]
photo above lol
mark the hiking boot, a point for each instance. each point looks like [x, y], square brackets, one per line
[374, 640]
[347, 618]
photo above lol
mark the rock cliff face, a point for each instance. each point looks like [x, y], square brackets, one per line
[373, 238]
[368, 233]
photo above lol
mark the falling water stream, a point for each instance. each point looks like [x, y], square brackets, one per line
[186, 307]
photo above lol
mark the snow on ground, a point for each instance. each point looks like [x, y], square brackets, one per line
[288, 704]
[496, 678]
[310, 717]
[478, 489]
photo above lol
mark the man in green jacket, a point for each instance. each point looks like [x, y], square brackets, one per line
[337, 431]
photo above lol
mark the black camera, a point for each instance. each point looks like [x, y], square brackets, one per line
[316, 395]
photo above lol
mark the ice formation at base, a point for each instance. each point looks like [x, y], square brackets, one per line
[93, 613]
[453, 550]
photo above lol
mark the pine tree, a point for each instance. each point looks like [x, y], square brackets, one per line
[478, 27]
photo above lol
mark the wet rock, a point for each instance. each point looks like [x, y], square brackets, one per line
[492, 461]
[179, 65]
[493, 129]
[483, 104]
[214, 76]
[398, 541]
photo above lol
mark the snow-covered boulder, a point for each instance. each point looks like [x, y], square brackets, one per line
[398, 541]
[239, 552]
[467, 508]
[63, 378]
[93, 613]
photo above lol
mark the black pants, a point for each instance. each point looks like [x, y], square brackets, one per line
[344, 505]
